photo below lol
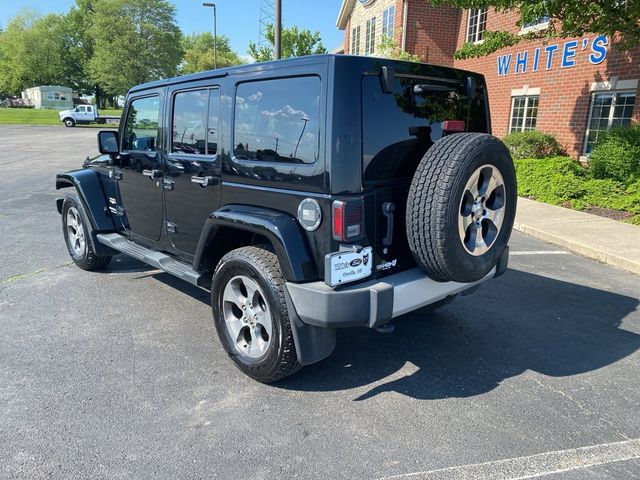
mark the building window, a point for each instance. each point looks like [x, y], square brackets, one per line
[524, 113]
[53, 96]
[370, 37]
[540, 21]
[355, 41]
[476, 24]
[610, 109]
[388, 21]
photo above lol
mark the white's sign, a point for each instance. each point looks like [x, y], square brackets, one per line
[550, 56]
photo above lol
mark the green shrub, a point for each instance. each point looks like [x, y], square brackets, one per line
[553, 180]
[532, 144]
[617, 155]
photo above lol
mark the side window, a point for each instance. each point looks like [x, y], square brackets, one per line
[190, 122]
[278, 120]
[141, 127]
[81, 109]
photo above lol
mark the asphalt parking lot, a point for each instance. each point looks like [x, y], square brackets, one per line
[119, 374]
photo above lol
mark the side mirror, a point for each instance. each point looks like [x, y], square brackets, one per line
[108, 142]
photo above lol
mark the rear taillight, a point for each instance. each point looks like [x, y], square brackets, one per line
[348, 219]
[453, 126]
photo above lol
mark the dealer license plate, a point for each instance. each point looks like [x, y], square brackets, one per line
[345, 267]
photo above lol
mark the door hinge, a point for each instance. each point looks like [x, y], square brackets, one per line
[115, 174]
[168, 184]
[172, 227]
[117, 210]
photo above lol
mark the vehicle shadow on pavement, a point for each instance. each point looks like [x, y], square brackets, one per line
[515, 323]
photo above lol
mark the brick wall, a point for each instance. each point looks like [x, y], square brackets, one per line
[432, 32]
[565, 93]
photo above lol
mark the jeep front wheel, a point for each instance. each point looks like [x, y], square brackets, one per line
[461, 207]
[77, 235]
[250, 314]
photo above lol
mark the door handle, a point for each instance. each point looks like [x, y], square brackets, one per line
[152, 174]
[204, 181]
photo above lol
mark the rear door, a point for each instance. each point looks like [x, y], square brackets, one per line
[398, 129]
[140, 183]
[192, 182]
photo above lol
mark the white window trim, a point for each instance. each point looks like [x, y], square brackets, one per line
[534, 28]
[615, 91]
[614, 84]
[524, 91]
[466, 33]
[528, 93]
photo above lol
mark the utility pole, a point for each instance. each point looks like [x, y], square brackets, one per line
[215, 34]
[278, 31]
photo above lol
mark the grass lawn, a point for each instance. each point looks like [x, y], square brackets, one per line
[31, 116]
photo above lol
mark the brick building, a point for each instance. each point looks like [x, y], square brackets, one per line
[573, 87]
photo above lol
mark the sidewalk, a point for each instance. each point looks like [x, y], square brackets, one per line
[600, 238]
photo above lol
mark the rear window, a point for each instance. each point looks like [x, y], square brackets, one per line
[278, 120]
[399, 127]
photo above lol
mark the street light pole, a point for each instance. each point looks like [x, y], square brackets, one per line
[215, 34]
[278, 31]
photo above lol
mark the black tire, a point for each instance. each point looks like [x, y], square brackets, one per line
[438, 196]
[261, 266]
[69, 122]
[82, 254]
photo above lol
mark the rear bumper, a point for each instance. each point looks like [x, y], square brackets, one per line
[374, 303]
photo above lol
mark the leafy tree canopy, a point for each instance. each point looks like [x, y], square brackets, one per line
[570, 18]
[294, 43]
[198, 53]
[135, 41]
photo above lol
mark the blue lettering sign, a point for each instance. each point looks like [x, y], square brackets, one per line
[569, 54]
[536, 59]
[504, 61]
[550, 49]
[521, 62]
[599, 49]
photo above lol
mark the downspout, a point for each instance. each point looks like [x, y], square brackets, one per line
[405, 14]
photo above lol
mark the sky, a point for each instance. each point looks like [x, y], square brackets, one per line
[237, 19]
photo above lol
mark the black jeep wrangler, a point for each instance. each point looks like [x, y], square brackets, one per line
[308, 194]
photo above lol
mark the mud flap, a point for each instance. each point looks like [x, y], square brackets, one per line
[312, 343]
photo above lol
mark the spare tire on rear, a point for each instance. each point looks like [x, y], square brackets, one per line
[461, 207]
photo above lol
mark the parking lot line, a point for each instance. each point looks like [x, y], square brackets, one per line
[538, 252]
[534, 466]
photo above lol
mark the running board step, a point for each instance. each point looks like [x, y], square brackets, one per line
[153, 258]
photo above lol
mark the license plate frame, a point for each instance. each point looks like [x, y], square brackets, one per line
[348, 266]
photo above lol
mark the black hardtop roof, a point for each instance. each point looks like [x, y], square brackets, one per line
[367, 63]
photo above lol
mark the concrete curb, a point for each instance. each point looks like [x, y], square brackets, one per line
[618, 245]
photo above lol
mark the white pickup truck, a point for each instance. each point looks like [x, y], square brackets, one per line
[84, 114]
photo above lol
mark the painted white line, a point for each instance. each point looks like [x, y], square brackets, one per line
[533, 466]
[538, 252]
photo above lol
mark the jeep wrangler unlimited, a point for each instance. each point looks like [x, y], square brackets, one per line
[307, 194]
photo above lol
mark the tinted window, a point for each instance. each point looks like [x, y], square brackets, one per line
[278, 120]
[399, 127]
[190, 122]
[141, 127]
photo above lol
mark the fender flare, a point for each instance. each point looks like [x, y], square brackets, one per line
[87, 184]
[280, 228]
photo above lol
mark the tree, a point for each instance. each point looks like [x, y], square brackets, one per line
[570, 18]
[198, 53]
[389, 48]
[78, 48]
[135, 41]
[31, 52]
[294, 43]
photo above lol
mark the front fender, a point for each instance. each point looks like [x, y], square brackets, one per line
[280, 228]
[87, 183]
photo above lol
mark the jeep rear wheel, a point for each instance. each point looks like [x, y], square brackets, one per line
[77, 235]
[461, 207]
[250, 314]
